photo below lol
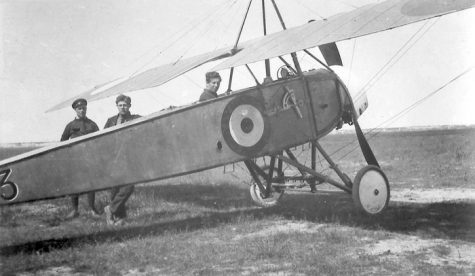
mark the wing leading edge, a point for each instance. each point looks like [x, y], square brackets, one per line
[359, 22]
[150, 78]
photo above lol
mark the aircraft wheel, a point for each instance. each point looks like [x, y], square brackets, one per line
[259, 198]
[371, 190]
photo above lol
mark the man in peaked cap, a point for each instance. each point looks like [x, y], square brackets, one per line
[116, 211]
[81, 125]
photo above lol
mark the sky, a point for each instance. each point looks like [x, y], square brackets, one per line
[52, 50]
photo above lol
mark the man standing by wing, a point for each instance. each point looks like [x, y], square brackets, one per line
[116, 211]
[213, 80]
[81, 125]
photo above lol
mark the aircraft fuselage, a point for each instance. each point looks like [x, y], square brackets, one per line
[249, 123]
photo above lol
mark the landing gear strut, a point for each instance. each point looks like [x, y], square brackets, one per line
[370, 188]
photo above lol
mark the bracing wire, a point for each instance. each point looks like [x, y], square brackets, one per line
[227, 28]
[403, 112]
[184, 31]
[189, 29]
[229, 24]
[395, 58]
[406, 47]
[207, 28]
[406, 110]
[352, 59]
[192, 24]
[392, 119]
[342, 2]
[305, 6]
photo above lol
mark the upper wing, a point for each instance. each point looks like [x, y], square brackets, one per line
[362, 21]
[150, 78]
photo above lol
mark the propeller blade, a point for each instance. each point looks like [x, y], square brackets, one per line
[364, 145]
[331, 54]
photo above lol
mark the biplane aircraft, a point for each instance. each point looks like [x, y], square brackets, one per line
[267, 119]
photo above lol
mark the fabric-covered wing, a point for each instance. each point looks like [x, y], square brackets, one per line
[362, 21]
[150, 78]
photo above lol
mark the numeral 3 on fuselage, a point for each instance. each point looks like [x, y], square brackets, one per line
[9, 189]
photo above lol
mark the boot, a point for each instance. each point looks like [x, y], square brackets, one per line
[313, 188]
[75, 212]
[91, 198]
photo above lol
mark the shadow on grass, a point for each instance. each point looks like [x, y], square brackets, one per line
[444, 220]
[210, 196]
[437, 220]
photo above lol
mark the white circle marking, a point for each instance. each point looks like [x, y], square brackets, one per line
[240, 113]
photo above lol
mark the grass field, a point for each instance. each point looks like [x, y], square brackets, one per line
[207, 224]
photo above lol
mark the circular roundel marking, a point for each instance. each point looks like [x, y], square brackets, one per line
[245, 129]
[246, 125]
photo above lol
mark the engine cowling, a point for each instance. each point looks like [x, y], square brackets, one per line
[359, 98]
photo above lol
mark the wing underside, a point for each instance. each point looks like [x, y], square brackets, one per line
[359, 22]
[150, 78]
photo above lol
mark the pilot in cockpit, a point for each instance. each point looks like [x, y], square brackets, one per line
[213, 80]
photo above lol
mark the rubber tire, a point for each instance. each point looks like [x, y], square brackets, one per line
[371, 191]
[256, 194]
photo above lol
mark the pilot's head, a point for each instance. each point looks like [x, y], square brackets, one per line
[80, 106]
[213, 80]
[123, 104]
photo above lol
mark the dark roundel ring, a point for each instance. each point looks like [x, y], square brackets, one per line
[245, 128]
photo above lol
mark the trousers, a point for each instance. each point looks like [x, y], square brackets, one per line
[119, 196]
[91, 197]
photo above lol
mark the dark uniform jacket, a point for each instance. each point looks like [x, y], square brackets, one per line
[79, 127]
[208, 95]
[112, 121]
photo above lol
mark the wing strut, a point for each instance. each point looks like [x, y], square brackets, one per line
[253, 76]
[267, 62]
[242, 26]
[319, 61]
[294, 56]
[287, 64]
[234, 50]
[299, 71]
[231, 72]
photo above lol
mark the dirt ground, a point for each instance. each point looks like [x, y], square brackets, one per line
[433, 195]
[458, 254]
[397, 245]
